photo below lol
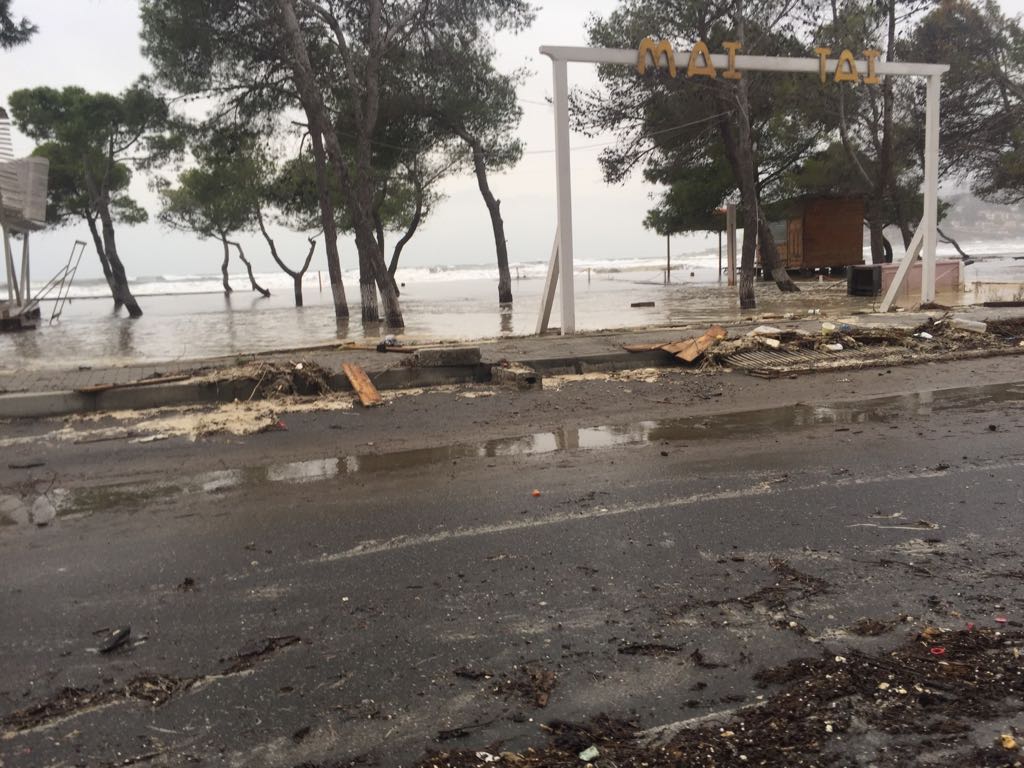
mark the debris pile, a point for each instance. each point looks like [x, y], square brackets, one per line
[276, 380]
[770, 352]
[892, 708]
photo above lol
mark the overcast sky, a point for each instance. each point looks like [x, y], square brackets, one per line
[95, 44]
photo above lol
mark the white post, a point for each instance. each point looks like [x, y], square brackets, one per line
[730, 225]
[12, 278]
[931, 189]
[26, 288]
[562, 161]
[901, 273]
[547, 299]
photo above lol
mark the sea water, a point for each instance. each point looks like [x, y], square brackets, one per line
[189, 317]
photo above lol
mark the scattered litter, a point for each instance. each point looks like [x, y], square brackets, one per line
[773, 343]
[883, 686]
[117, 638]
[591, 753]
[26, 465]
[535, 493]
[924, 335]
[275, 426]
[834, 347]
[151, 438]
[43, 511]
[1008, 742]
[766, 330]
[487, 757]
[827, 328]
[641, 304]
[938, 650]
[1000, 620]
[964, 324]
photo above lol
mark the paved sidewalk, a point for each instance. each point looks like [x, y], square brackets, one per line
[17, 387]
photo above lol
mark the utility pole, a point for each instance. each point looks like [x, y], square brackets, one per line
[668, 259]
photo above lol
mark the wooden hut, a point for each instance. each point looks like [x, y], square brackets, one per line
[815, 232]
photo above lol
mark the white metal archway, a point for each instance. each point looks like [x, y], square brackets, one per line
[843, 68]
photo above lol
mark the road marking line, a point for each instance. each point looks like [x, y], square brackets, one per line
[376, 546]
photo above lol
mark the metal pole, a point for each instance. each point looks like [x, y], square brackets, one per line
[719, 255]
[562, 160]
[9, 266]
[931, 189]
[668, 259]
[26, 289]
[730, 237]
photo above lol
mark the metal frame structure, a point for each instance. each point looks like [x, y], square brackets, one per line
[561, 263]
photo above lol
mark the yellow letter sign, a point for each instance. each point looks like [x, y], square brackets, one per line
[649, 48]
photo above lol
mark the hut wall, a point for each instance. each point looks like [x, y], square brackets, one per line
[833, 233]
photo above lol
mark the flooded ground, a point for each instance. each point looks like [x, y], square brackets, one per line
[185, 326]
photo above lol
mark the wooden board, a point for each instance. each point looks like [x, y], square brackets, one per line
[691, 349]
[97, 388]
[642, 347]
[368, 394]
[373, 348]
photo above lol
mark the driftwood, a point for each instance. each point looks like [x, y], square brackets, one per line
[368, 394]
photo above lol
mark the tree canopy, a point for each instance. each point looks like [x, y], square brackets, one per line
[14, 32]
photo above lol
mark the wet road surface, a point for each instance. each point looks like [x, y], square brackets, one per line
[329, 594]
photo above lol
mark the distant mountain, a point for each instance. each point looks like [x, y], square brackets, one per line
[970, 218]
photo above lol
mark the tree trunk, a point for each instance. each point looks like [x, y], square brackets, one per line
[252, 278]
[224, 264]
[122, 290]
[747, 257]
[371, 258]
[876, 228]
[414, 224]
[771, 261]
[312, 104]
[295, 276]
[497, 223]
[97, 241]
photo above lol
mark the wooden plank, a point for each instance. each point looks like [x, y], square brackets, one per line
[352, 347]
[368, 394]
[697, 347]
[642, 347]
[97, 388]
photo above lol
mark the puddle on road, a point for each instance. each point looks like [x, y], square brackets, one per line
[35, 507]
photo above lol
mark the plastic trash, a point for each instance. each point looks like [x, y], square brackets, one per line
[116, 639]
[924, 335]
[43, 511]
[828, 327]
[1008, 742]
[590, 753]
[834, 347]
[813, 311]
[766, 330]
[773, 343]
[968, 325]
[535, 493]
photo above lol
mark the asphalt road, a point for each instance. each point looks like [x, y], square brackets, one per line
[371, 587]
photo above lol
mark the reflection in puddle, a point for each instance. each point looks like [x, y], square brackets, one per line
[303, 471]
[41, 506]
